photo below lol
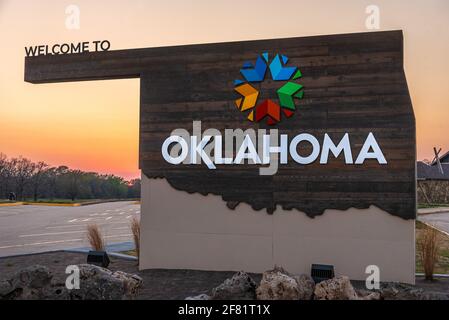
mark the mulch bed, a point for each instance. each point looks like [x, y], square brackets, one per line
[158, 283]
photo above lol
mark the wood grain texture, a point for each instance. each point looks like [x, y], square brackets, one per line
[353, 83]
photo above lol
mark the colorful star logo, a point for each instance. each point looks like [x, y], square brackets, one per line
[268, 109]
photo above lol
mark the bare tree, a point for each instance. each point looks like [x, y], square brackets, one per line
[38, 177]
[51, 176]
[23, 172]
[74, 183]
[28, 179]
[3, 167]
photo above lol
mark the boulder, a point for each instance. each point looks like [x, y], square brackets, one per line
[5, 288]
[32, 277]
[277, 284]
[202, 296]
[338, 288]
[367, 295]
[27, 284]
[306, 286]
[401, 291]
[240, 287]
[36, 282]
[97, 283]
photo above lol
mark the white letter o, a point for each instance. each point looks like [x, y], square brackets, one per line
[184, 149]
[315, 148]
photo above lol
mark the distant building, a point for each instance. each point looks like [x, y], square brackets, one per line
[443, 159]
[433, 181]
[432, 171]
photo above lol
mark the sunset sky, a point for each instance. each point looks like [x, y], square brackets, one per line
[95, 127]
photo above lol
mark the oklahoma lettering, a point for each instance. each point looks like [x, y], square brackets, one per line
[193, 149]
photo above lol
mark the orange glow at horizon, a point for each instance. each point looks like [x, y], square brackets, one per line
[93, 126]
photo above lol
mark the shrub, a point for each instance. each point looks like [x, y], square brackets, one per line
[428, 248]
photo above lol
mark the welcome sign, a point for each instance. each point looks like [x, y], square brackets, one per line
[331, 113]
[192, 149]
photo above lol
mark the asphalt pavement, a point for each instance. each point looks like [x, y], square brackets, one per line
[30, 229]
[439, 220]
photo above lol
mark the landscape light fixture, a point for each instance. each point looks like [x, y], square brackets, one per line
[321, 272]
[98, 258]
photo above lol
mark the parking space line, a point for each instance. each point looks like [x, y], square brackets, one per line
[50, 233]
[83, 225]
[40, 243]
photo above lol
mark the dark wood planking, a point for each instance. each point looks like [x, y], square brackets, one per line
[353, 83]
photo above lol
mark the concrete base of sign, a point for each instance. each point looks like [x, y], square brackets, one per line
[191, 231]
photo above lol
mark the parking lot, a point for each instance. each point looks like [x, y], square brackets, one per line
[30, 229]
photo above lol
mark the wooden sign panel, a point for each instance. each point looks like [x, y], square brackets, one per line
[352, 83]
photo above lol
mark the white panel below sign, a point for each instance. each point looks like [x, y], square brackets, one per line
[191, 231]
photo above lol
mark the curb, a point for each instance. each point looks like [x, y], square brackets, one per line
[76, 204]
[13, 204]
[51, 204]
[123, 256]
[434, 227]
[421, 212]
[29, 254]
[112, 254]
[436, 275]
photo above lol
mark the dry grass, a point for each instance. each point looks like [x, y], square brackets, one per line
[135, 229]
[429, 245]
[95, 237]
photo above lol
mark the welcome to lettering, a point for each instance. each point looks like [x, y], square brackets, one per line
[67, 48]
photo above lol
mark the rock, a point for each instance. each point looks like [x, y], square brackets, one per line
[26, 284]
[306, 286]
[202, 296]
[277, 284]
[5, 288]
[401, 291]
[338, 288]
[367, 295]
[131, 282]
[96, 283]
[32, 277]
[56, 291]
[239, 287]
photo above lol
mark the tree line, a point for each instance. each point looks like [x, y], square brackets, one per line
[38, 180]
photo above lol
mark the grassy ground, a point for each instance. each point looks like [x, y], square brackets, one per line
[443, 264]
[68, 201]
[6, 201]
[49, 201]
[432, 205]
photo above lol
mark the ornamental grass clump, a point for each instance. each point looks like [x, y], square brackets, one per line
[428, 247]
[135, 229]
[95, 238]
